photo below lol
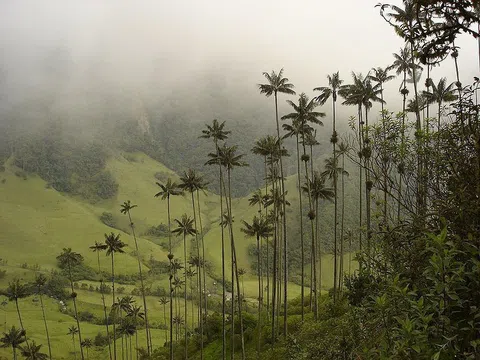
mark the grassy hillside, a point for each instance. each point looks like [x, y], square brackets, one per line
[37, 222]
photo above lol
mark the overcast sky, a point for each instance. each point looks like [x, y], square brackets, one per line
[165, 45]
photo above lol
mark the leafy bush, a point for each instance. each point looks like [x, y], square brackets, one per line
[107, 219]
[158, 231]
[3, 273]
[105, 185]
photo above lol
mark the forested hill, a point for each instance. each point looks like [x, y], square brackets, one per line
[72, 157]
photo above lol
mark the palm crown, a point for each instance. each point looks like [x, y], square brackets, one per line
[185, 226]
[114, 244]
[334, 84]
[276, 84]
[170, 188]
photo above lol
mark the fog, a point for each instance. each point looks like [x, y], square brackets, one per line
[203, 58]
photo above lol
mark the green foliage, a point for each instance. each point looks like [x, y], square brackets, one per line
[108, 219]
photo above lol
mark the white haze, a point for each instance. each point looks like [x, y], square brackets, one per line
[69, 54]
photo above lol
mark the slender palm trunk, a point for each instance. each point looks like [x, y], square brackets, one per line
[205, 309]
[74, 348]
[164, 320]
[418, 128]
[402, 145]
[199, 285]
[360, 168]
[170, 346]
[224, 333]
[46, 327]
[234, 261]
[113, 302]
[260, 298]
[185, 291]
[14, 353]
[335, 255]
[368, 189]
[142, 287]
[384, 163]
[317, 253]
[342, 226]
[311, 212]
[284, 222]
[104, 307]
[275, 270]
[76, 312]
[302, 296]
[267, 270]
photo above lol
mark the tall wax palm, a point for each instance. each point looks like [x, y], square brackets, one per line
[167, 190]
[363, 92]
[404, 20]
[195, 262]
[114, 245]
[268, 148]
[260, 228]
[40, 281]
[13, 338]
[403, 65]
[295, 130]
[218, 133]
[126, 209]
[70, 259]
[126, 330]
[303, 114]
[441, 93]
[318, 192]
[343, 149]
[191, 273]
[381, 76]
[276, 83]
[164, 301]
[72, 331]
[332, 170]
[310, 140]
[98, 247]
[185, 227]
[192, 182]
[15, 291]
[227, 156]
[87, 344]
[349, 93]
[136, 314]
[31, 351]
[176, 266]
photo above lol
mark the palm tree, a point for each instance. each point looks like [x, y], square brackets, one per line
[15, 291]
[276, 83]
[167, 190]
[318, 192]
[136, 313]
[126, 330]
[191, 273]
[164, 301]
[405, 65]
[40, 281]
[228, 158]
[217, 133]
[343, 149]
[87, 344]
[304, 113]
[70, 259]
[335, 84]
[381, 76]
[186, 228]
[13, 338]
[32, 352]
[114, 245]
[260, 228]
[98, 247]
[332, 170]
[72, 331]
[126, 209]
[193, 182]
